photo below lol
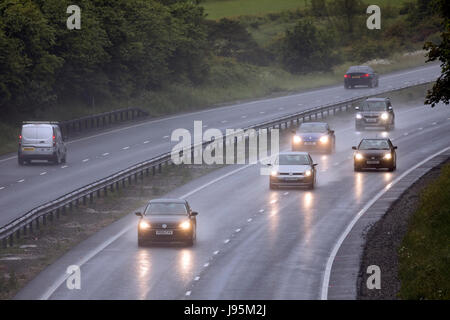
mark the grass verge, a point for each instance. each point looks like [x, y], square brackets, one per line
[424, 256]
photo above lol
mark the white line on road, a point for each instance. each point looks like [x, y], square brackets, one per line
[237, 230]
[1, 188]
[261, 211]
[105, 154]
[42, 173]
[249, 220]
[327, 273]
[216, 252]
[125, 148]
[196, 278]
[206, 265]
[63, 167]
[434, 123]
[165, 137]
[226, 241]
[21, 180]
[85, 160]
[188, 293]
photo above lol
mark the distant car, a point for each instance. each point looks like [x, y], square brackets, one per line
[375, 153]
[314, 136]
[375, 112]
[41, 141]
[293, 169]
[360, 76]
[167, 220]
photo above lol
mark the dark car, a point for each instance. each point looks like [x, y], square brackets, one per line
[314, 136]
[375, 153]
[375, 112]
[165, 220]
[293, 169]
[360, 76]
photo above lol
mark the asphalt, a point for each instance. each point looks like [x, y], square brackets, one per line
[252, 242]
[94, 157]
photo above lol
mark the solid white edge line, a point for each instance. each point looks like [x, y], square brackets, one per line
[330, 261]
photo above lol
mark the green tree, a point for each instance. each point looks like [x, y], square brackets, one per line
[441, 52]
[306, 49]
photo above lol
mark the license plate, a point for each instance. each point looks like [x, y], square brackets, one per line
[371, 120]
[310, 143]
[356, 77]
[28, 149]
[373, 162]
[164, 232]
[290, 178]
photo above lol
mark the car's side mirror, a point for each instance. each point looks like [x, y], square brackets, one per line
[194, 213]
[356, 108]
[332, 131]
[139, 214]
[354, 148]
[269, 164]
[314, 164]
[395, 147]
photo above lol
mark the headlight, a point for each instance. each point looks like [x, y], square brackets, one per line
[274, 173]
[384, 116]
[144, 225]
[359, 156]
[307, 173]
[185, 225]
[324, 139]
[297, 139]
[387, 156]
[358, 116]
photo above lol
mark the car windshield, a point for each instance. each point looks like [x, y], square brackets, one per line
[37, 132]
[292, 159]
[163, 208]
[373, 106]
[313, 127]
[370, 144]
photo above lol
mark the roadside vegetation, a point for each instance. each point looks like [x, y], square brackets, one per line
[424, 257]
[170, 56]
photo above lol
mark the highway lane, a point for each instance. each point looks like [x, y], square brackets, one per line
[252, 242]
[95, 157]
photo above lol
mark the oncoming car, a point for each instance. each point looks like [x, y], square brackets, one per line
[375, 112]
[167, 220]
[293, 169]
[41, 141]
[360, 75]
[375, 153]
[314, 136]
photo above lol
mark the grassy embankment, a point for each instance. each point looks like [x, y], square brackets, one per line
[424, 257]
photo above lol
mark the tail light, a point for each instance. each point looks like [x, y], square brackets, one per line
[20, 139]
[345, 75]
[54, 141]
[366, 75]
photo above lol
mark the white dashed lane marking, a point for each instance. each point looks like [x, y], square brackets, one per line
[21, 180]
[147, 141]
[125, 148]
[216, 252]
[42, 173]
[188, 293]
[85, 160]
[237, 230]
[197, 278]
[63, 167]
[261, 211]
[206, 264]
[226, 241]
[249, 220]
[1, 188]
[105, 154]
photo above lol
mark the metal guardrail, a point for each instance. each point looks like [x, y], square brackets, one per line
[51, 210]
[96, 121]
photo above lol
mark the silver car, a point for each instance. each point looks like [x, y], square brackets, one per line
[294, 169]
[41, 141]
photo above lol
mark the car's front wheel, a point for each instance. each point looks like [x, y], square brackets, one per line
[357, 168]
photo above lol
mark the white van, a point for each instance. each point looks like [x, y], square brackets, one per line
[41, 141]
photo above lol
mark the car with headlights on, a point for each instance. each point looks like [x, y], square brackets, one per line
[375, 154]
[375, 112]
[167, 220]
[292, 169]
[313, 136]
[360, 75]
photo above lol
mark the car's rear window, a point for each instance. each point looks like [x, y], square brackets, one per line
[372, 144]
[37, 132]
[373, 106]
[313, 127]
[292, 159]
[165, 208]
[359, 69]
